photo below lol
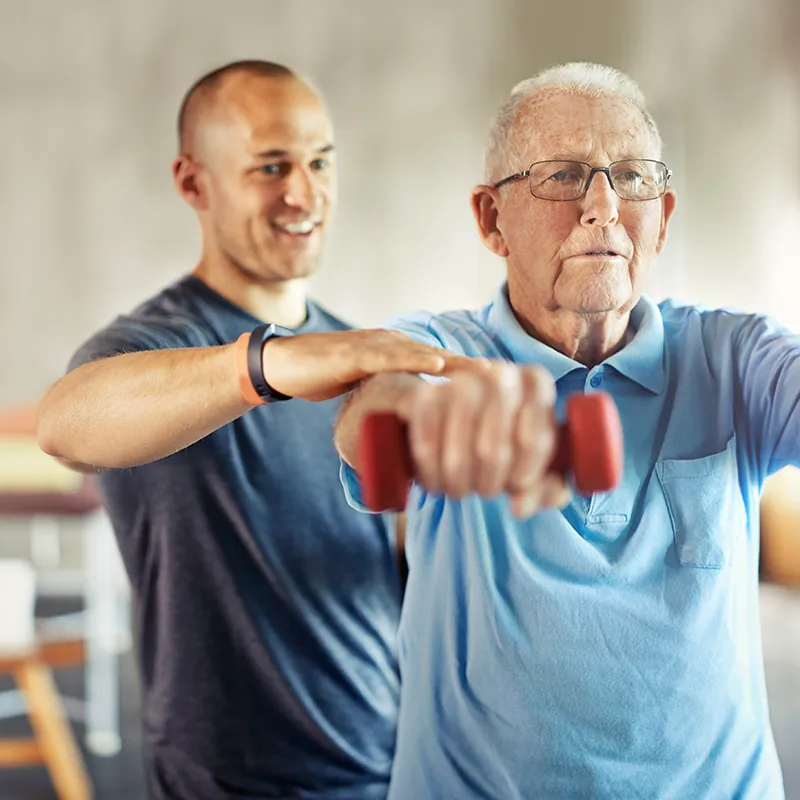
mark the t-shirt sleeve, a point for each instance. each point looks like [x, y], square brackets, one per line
[134, 335]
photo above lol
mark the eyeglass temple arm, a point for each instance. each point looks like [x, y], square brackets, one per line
[515, 177]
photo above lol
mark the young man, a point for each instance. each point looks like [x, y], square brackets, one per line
[265, 608]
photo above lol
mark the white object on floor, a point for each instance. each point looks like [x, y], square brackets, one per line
[104, 624]
[17, 606]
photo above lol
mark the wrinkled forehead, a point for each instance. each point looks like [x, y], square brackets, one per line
[596, 129]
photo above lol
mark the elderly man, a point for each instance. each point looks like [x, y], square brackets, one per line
[585, 647]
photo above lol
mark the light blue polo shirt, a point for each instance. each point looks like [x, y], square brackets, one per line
[612, 649]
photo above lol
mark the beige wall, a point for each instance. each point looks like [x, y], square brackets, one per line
[90, 224]
[725, 83]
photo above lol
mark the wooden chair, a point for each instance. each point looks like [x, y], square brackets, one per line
[30, 662]
[53, 744]
[44, 493]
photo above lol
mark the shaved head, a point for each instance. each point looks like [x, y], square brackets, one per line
[210, 93]
[257, 163]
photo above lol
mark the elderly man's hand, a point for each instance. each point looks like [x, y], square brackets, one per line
[489, 431]
[318, 366]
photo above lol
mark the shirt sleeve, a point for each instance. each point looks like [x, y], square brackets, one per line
[417, 326]
[135, 335]
[420, 326]
[767, 360]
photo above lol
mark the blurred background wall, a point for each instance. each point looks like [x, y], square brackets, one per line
[89, 223]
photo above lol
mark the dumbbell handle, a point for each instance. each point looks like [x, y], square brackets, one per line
[589, 446]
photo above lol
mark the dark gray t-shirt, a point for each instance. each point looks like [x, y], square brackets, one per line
[266, 609]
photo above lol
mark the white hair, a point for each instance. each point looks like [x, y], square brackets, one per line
[582, 78]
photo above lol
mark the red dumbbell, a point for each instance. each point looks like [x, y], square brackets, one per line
[589, 446]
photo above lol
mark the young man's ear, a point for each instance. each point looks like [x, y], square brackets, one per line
[186, 178]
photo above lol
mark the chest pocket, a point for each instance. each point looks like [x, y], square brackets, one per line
[705, 506]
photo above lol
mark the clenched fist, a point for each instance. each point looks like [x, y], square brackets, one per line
[487, 431]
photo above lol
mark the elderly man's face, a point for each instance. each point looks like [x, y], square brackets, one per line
[559, 253]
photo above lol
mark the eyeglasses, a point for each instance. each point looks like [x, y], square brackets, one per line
[633, 179]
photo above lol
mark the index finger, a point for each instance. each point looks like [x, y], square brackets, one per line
[458, 363]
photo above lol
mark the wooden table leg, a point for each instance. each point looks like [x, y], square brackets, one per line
[53, 732]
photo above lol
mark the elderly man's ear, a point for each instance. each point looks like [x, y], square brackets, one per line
[485, 207]
[668, 202]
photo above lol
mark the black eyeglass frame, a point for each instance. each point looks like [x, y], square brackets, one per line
[518, 176]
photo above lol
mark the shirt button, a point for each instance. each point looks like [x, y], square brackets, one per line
[596, 380]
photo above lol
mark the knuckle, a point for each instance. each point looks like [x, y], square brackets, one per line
[535, 444]
[423, 453]
[385, 336]
[487, 451]
[544, 443]
[554, 491]
[464, 394]
[493, 481]
[463, 382]
[424, 447]
[499, 379]
[451, 468]
[539, 386]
